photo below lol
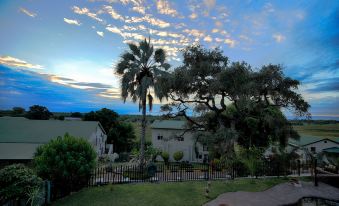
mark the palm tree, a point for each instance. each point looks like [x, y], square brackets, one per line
[141, 68]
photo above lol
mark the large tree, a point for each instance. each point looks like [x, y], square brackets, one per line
[231, 101]
[141, 68]
[38, 112]
[120, 134]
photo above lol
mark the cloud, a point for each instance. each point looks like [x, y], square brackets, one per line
[139, 9]
[268, 8]
[229, 42]
[28, 13]
[72, 21]
[208, 38]
[149, 19]
[209, 3]
[164, 7]
[100, 33]
[193, 16]
[113, 13]
[279, 37]
[11, 61]
[85, 11]
[194, 32]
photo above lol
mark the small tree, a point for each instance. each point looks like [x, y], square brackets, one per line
[18, 111]
[177, 156]
[66, 161]
[16, 182]
[165, 157]
[251, 158]
[38, 112]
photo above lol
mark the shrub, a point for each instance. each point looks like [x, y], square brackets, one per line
[16, 182]
[165, 157]
[66, 161]
[177, 156]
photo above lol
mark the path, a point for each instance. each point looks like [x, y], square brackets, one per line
[281, 194]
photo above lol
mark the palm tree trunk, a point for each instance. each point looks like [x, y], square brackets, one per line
[143, 132]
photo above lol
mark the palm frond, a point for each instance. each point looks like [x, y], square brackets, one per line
[150, 101]
[134, 48]
[159, 56]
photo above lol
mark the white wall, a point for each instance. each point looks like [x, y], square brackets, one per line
[98, 139]
[171, 145]
[323, 144]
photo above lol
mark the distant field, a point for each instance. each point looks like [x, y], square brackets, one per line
[325, 130]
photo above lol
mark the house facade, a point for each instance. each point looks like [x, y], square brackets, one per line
[19, 137]
[171, 136]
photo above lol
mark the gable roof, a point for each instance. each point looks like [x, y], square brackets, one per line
[306, 140]
[42, 131]
[169, 124]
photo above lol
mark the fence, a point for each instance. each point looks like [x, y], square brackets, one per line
[176, 172]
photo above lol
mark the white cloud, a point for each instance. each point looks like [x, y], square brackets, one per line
[194, 32]
[139, 9]
[149, 19]
[113, 13]
[85, 11]
[279, 37]
[72, 21]
[209, 3]
[11, 61]
[100, 33]
[115, 30]
[164, 7]
[193, 16]
[268, 7]
[208, 38]
[229, 42]
[28, 13]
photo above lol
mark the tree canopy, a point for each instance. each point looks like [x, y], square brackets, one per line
[232, 98]
[38, 112]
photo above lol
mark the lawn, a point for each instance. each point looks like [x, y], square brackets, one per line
[165, 194]
[325, 130]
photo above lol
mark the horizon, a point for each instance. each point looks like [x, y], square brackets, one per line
[61, 54]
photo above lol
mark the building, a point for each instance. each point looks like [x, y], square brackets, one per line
[19, 137]
[171, 136]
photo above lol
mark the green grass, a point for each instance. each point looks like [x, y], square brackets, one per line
[325, 130]
[165, 194]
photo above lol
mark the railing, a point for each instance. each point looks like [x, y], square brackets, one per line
[176, 172]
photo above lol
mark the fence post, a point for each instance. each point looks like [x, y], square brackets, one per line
[298, 165]
[315, 173]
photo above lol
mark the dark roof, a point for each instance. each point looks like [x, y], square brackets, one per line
[42, 131]
[169, 124]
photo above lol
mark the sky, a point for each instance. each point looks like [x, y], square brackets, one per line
[61, 54]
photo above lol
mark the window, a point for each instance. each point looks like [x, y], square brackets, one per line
[204, 147]
[205, 157]
[325, 141]
[160, 137]
[313, 149]
[200, 156]
[180, 139]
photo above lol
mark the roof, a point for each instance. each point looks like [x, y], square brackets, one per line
[17, 151]
[42, 131]
[332, 150]
[169, 124]
[306, 140]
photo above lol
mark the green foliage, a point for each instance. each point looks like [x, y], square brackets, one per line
[165, 156]
[16, 182]
[123, 136]
[18, 111]
[207, 80]
[141, 69]
[76, 114]
[67, 161]
[177, 156]
[38, 113]
[251, 158]
[120, 134]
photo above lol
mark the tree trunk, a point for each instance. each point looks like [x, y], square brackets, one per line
[143, 132]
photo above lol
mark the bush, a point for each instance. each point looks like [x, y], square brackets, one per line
[66, 161]
[165, 157]
[16, 182]
[177, 156]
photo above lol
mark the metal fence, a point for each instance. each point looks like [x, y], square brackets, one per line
[176, 172]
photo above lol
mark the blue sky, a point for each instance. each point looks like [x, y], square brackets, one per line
[61, 53]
